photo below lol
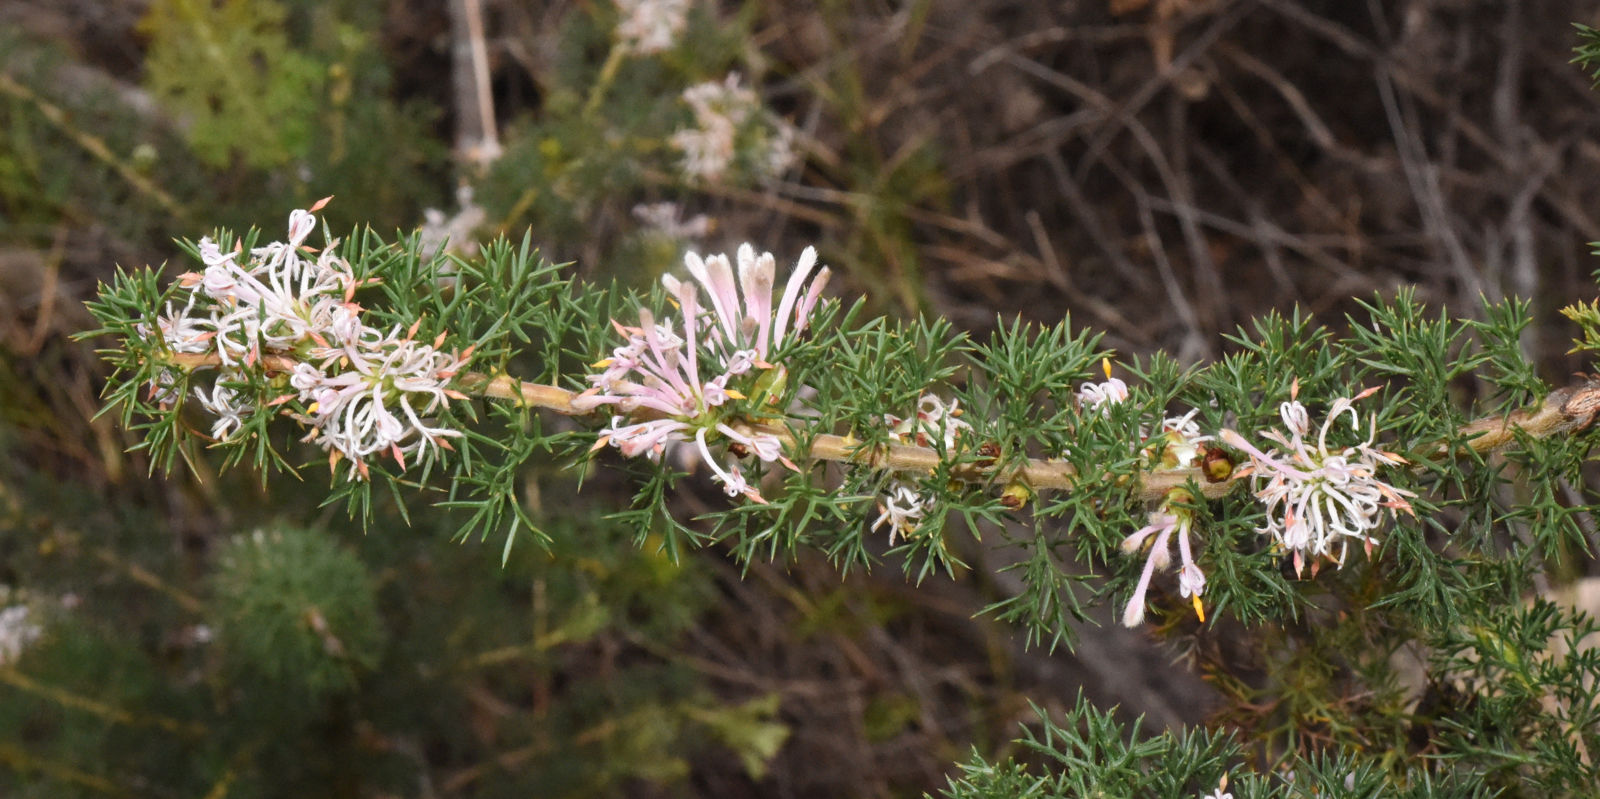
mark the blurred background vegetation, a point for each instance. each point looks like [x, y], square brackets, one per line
[1162, 169]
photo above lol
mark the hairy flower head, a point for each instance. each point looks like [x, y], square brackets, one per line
[1320, 497]
[287, 307]
[685, 382]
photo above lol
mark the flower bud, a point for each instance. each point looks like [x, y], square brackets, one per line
[1216, 465]
[1015, 495]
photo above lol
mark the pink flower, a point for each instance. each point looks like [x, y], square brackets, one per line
[1171, 518]
[902, 507]
[379, 404]
[1320, 498]
[367, 393]
[692, 381]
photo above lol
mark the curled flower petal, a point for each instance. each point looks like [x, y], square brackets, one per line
[1320, 497]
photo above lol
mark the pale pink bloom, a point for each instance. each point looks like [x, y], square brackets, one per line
[228, 406]
[182, 332]
[1099, 396]
[765, 446]
[379, 405]
[716, 390]
[744, 327]
[1191, 580]
[902, 507]
[689, 379]
[644, 438]
[731, 478]
[1319, 499]
[664, 372]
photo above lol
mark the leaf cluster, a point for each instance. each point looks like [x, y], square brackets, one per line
[1085, 752]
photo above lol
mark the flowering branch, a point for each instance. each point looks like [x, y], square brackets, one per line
[1564, 411]
[739, 378]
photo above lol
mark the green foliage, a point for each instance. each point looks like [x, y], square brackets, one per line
[229, 68]
[311, 663]
[1587, 53]
[1524, 684]
[258, 107]
[290, 87]
[1023, 385]
[294, 611]
[1088, 753]
[1587, 317]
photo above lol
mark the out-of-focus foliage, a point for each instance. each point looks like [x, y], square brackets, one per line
[291, 609]
[227, 69]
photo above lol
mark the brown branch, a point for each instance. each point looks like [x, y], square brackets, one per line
[1565, 410]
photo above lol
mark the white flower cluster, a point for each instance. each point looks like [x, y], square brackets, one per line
[1319, 499]
[721, 112]
[902, 507]
[651, 26]
[660, 375]
[16, 633]
[1178, 444]
[666, 219]
[454, 233]
[367, 391]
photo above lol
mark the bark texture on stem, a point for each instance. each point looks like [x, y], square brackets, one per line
[1565, 410]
